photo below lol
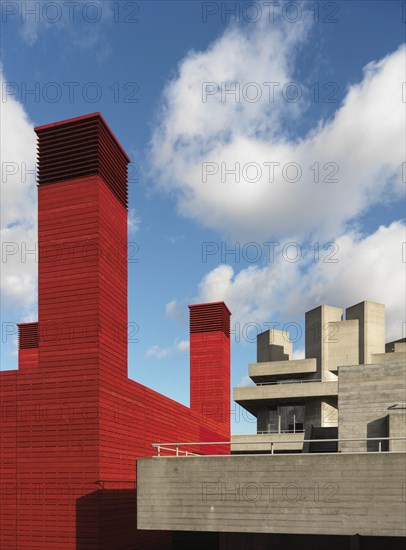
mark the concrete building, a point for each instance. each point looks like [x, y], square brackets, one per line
[298, 399]
[327, 466]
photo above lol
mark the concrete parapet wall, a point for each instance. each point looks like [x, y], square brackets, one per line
[334, 494]
[393, 357]
[282, 442]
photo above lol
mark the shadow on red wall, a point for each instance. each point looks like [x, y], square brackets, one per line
[107, 520]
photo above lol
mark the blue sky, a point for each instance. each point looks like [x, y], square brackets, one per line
[144, 65]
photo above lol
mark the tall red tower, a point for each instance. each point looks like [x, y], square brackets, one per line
[72, 423]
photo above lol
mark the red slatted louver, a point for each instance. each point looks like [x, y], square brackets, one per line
[84, 146]
[212, 317]
[28, 335]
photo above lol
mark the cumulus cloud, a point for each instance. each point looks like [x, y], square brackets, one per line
[160, 353]
[175, 312]
[183, 346]
[298, 354]
[134, 222]
[342, 166]
[80, 23]
[245, 381]
[346, 163]
[18, 210]
[367, 268]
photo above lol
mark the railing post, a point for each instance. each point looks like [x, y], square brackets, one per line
[294, 423]
[159, 450]
[380, 446]
[271, 447]
[279, 423]
[177, 450]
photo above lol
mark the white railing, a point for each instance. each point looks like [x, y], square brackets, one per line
[267, 432]
[287, 381]
[174, 447]
[176, 450]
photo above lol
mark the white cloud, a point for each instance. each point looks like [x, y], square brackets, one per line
[156, 351]
[175, 312]
[365, 140]
[134, 221]
[245, 381]
[183, 346]
[18, 211]
[298, 354]
[173, 239]
[368, 268]
[81, 23]
[160, 353]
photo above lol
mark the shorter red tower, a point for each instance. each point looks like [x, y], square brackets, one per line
[72, 423]
[210, 363]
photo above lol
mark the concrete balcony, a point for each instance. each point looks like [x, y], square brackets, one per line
[267, 371]
[320, 494]
[255, 443]
[253, 398]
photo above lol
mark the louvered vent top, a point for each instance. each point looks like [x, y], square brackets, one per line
[28, 335]
[82, 146]
[211, 317]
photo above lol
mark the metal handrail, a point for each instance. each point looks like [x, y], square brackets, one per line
[279, 432]
[165, 446]
[177, 450]
[287, 381]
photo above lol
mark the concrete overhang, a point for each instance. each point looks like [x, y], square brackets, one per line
[261, 372]
[254, 398]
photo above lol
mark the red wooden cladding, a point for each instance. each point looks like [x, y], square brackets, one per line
[72, 428]
[27, 358]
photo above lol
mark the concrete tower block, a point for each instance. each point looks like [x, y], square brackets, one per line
[342, 345]
[371, 339]
[321, 333]
[273, 345]
[322, 326]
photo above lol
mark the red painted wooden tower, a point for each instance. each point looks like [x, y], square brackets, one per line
[72, 422]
